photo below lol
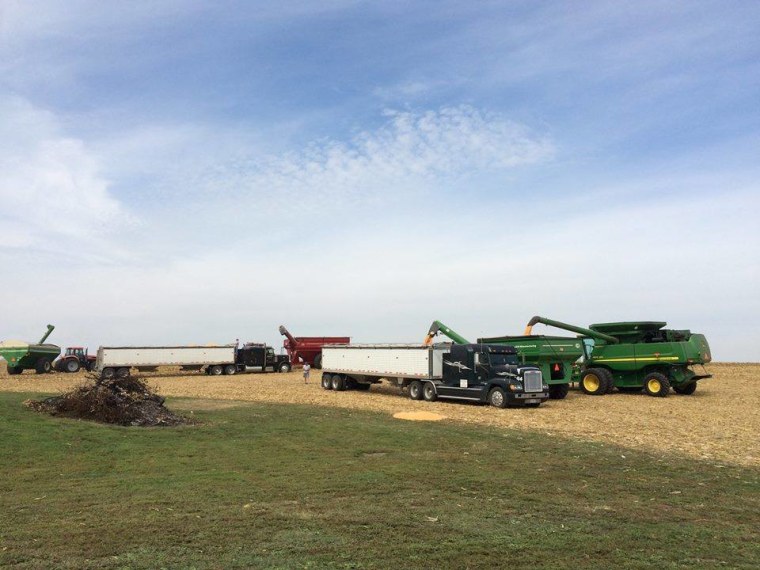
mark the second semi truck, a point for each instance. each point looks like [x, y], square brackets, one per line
[477, 372]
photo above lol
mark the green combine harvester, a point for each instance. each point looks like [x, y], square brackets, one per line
[21, 355]
[637, 355]
[554, 355]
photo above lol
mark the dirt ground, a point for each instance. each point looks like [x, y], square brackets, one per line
[720, 422]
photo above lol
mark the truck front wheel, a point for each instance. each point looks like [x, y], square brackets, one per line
[415, 390]
[656, 384]
[284, 367]
[497, 398]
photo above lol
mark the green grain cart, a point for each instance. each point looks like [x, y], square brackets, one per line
[554, 355]
[638, 355]
[21, 355]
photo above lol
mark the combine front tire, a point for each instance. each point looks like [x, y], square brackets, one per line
[686, 389]
[594, 382]
[558, 391]
[610, 380]
[415, 390]
[656, 384]
[43, 366]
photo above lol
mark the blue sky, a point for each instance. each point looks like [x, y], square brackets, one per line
[197, 172]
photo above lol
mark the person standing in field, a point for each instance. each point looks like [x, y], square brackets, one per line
[306, 370]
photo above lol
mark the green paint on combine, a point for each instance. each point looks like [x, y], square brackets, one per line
[22, 355]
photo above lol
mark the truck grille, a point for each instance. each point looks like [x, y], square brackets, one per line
[533, 381]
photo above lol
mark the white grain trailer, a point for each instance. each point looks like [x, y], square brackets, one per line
[478, 372]
[119, 360]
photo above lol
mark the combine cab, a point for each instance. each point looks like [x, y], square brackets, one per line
[74, 359]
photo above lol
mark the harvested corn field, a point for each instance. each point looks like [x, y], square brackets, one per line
[718, 423]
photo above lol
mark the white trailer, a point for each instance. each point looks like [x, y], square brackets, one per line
[486, 373]
[118, 360]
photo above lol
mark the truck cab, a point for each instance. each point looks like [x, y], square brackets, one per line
[258, 356]
[481, 372]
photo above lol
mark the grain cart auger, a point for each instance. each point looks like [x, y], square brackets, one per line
[437, 327]
[308, 349]
[632, 356]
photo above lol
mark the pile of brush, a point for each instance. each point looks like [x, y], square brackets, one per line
[121, 401]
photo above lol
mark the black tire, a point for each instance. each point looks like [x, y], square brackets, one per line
[362, 387]
[318, 361]
[497, 398]
[215, 370]
[338, 383]
[71, 366]
[91, 366]
[284, 368]
[558, 391]
[108, 373]
[230, 369]
[327, 381]
[686, 389]
[42, 366]
[656, 384]
[122, 373]
[609, 380]
[594, 382]
[13, 370]
[429, 393]
[415, 390]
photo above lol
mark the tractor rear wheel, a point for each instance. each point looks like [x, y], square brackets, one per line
[71, 366]
[415, 390]
[594, 382]
[558, 391]
[318, 361]
[686, 389]
[656, 384]
[43, 366]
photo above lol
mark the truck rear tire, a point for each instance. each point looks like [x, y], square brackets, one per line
[338, 383]
[215, 370]
[656, 384]
[497, 398]
[594, 382]
[429, 393]
[230, 369]
[415, 390]
[122, 373]
[107, 373]
[318, 361]
[326, 381]
[71, 366]
[558, 391]
[686, 389]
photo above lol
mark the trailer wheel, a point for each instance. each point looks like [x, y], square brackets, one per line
[415, 390]
[284, 367]
[497, 398]
[326, 381]
[318, 361]
[108, 373]
[215, 370]
[594, 382]
[429, 393]
[338, 383]
[686, 389]
[43, 366]
[122, 373]
[558, 391]
[71, 366]
[230, 369]
[656, 384]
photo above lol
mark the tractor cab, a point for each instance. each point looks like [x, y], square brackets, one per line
[77, 351]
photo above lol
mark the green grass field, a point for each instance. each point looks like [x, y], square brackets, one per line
[272, 486]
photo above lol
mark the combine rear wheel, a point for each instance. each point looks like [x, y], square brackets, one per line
[656, 384]
[415, 390]
[558, 391]
[594, 382]
[686, 389]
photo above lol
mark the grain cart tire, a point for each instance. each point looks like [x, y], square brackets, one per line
[558, 391]
[656, 384]
[230, 369]
[686, 389]
[42, 366]
[215, 370]
[122, 372]
[497, 398]
[415, 390]
[284, 368]
[594, 382]
[318, 361]
[362, 387]
[326, 381]
[71, 366]
[338, 383]
[108, 373]
[429, 393]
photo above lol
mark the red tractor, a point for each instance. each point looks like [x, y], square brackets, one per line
[73, 359]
